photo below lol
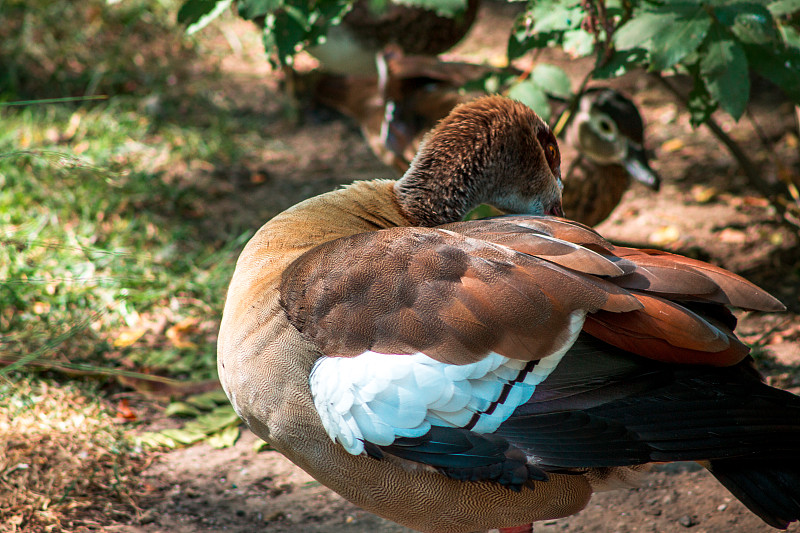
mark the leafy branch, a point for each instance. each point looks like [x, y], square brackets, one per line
[716, 43]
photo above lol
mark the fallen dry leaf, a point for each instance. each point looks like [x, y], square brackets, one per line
[128, 337]
[74, 124]
[672, 145]
[664, 235]
[178, 334]
[756, 201]
[124, 411]
[702, 194]
[258, 178]
[732, 236]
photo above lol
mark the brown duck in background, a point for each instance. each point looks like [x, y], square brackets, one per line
[459, 376]
[369, 28]
[602, 150]
[395, 110]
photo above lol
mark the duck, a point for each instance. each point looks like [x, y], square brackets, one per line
[396, 109]
[456, 376]
[351, 47]
[603, 143]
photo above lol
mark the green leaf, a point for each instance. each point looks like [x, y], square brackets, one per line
[530, 94]
[184, 436]
[552, 80]
[444, 8]
[578, 43]
[700, 103]
[555, 16]
[284, 31]
[208, 400]
[250, 9]
[482, 211]
[261, 446]
[522, 38]
[220, 8]
[491, 83]
[154, 439]
[791, 36]
[198, 14]
[724, 70]
[216, 420]
[781, 67]
[621, 62]
[225, 438]
[641, 28]
[193, 10]
[671, 45]
[750, 22]
[182, 409]
[784, 7]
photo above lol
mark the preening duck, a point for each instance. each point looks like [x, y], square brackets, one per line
[461, 376]
[603, 145]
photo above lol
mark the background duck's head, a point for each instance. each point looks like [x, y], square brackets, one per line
[609, 130]
[493, 151]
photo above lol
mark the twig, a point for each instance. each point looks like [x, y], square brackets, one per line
[775, 197]
[568, 114]
[741, 157]
[765, 142]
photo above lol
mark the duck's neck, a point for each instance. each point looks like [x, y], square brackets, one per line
[435, 192]
[359, 207]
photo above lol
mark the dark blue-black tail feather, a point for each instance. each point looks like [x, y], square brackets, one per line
[772, 491]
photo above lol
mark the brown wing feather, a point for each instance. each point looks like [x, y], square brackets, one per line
[556, 250]
[510, 285]
[731, 289]
[665, 331]
[453, 297]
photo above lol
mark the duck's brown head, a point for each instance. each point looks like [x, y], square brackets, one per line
[489, 151]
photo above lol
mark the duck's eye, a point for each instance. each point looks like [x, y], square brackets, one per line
[606, 126]
[548, 142]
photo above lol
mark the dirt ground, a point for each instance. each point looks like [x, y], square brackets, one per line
[704, 209]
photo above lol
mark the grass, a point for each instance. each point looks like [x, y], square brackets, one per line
[64, 462]
[107, 269]
[99, 240]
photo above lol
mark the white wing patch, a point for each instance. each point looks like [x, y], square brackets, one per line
[379, 397]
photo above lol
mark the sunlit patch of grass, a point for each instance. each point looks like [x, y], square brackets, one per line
[64, 463]
[98, 237]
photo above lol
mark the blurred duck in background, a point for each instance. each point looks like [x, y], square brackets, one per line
[603, 150]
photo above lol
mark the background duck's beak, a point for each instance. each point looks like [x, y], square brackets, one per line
[636, 164]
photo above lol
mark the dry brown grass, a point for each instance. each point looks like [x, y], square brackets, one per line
[65, 464]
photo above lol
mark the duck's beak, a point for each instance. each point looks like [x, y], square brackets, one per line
[556, 210]
[636, 164]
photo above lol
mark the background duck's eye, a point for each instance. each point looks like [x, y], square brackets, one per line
[605, 126]
[551, 150]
